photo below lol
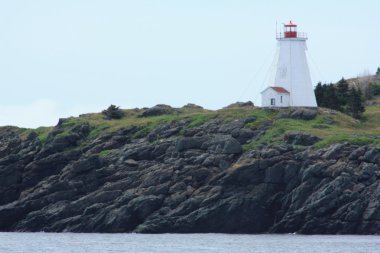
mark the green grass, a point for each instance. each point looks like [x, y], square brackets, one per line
[198, 120]
[104, 153]
[100, 125]
[262, 116]
[331, 127]
[42, 133]
[96, 131]
[340, 138]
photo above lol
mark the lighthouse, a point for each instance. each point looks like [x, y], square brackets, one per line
[291, 85]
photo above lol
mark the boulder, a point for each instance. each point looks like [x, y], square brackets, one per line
[190, 143]
[372, 155]
[192, 106]
[224, 144]
[234, 126]
[335, 151]
[301, 113]
[240, 104]
[244, 135]
[303, 139]
[157, 110]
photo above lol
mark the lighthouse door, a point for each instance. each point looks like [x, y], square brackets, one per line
[272, 101]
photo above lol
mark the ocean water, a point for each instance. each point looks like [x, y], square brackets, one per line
[183, 243]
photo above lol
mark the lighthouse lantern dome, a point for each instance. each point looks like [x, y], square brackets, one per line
[290, 30]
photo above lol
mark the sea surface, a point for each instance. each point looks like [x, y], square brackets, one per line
[183, 243]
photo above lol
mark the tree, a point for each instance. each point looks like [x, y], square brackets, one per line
[319, 94]
[331, 98]
[327, 96]
[342, 98]
[113, 112]
[378, 72]
[355, 105]
[342, 91]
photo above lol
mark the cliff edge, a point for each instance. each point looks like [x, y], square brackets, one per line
[241, 169]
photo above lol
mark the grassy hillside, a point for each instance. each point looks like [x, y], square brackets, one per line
[330, 126]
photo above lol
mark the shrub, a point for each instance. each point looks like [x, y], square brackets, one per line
[113, 112]
[376, 88]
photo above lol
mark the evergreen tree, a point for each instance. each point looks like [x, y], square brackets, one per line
[378, 72]
[355, 105]
[342, 98]
[342, 91]
[331, 98]
[319, 94]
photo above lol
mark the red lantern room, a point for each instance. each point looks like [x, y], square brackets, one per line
[290, 30]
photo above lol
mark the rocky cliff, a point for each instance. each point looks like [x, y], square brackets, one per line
[180, 177]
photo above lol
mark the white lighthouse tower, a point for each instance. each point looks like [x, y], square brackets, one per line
[292, 85]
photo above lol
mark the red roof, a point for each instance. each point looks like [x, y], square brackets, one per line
[290, 24]
[279, 89]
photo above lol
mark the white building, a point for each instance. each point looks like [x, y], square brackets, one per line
[291, 71]
[276, 97]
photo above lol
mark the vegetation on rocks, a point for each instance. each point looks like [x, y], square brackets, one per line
[272, 125]
[186, 169]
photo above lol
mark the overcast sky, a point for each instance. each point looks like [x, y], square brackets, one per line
[64, 58]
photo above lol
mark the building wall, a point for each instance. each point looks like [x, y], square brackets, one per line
[268, 94]
[292, 72]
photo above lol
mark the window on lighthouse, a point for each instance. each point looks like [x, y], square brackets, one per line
[272, 101]
[283, 71]
[281, 99]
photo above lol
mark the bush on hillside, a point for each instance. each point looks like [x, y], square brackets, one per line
[113, 112]
[376, 88]
[371, 90]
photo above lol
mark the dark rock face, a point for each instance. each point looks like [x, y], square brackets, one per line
[9, 141]
[200, 181]
[301, 139]
[222, 144]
